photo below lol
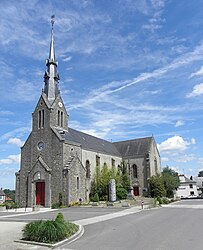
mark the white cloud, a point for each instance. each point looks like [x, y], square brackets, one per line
[6, 112]
[10, 160]
[15, 141]
[164, 159]
[175, 143]
[193, 141]
[67, 59]
[93, 132]
[16, 132]
[198, 73]
[179, 123]
[197, 90]
[200, 160]
[185, 158]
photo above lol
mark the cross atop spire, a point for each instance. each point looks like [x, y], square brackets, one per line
[52, 50]
[52, 20]
[51, 76]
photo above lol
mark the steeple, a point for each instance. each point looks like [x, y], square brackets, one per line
[51, 76]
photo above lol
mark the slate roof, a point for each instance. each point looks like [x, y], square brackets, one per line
[134, 147]
[90, 142]
[121, 149]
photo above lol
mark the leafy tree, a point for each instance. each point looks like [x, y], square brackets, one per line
[157, 188]
[200, 173]
[10, 193]
[170, 180]
[124, 176]
[101, 180]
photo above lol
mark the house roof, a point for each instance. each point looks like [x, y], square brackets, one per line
[8, 199]
[134, 147]
[184, 179]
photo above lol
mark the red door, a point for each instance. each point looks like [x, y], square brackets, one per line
[40, 193]
[136, 191]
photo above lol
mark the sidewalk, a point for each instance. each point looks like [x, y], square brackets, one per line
[11, 231]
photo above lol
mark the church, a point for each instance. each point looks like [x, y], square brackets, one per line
[58, 160]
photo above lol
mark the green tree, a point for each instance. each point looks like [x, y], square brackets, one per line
[170, 180]
[124, 176]
[101, 180]
[200, 173]
[10, 193]
[157, 188]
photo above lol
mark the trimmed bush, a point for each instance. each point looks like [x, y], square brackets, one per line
[50, 231]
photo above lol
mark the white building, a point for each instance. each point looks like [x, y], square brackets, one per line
[187, 188]
[199, 182]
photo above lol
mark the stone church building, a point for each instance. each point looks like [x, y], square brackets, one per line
[57, 159]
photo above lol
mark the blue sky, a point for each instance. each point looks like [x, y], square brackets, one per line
[128, 69]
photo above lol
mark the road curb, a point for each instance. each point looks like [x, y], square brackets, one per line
[74, 237]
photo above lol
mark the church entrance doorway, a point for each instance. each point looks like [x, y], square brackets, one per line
[40, 193]
[136, 191]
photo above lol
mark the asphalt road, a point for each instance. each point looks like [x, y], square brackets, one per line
[175, 227]
[178, 227]
[71, 214]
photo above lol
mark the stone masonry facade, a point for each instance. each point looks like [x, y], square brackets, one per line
[58, 162]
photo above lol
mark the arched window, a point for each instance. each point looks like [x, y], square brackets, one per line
[78, 183]
[87, 169]
[61, 119]
[134, 168]
[39, 118]
[58, 121]
[155, 165]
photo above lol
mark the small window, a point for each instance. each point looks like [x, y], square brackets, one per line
[58, 122]
[134, 170]
[43, 118]
[61, 119]
[97, 160]
[112, 162]
[39, 118]
[155, 165]
[78, 183]
[1, 198]
[87, 169]
[191, 185]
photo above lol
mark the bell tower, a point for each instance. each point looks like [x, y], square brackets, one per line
[50, 110]
[51, 76]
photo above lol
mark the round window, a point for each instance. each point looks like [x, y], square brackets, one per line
[40, 146]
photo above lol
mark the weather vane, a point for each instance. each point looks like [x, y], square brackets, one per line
[52, 20]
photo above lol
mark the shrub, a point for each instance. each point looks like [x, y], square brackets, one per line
[165, 200]
[121, 193]
[15, 205]
[55, 205]
[159, 200]
[60, 218]
[49, 231]
[95, 198]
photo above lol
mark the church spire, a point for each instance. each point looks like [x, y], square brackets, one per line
[51, 76]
